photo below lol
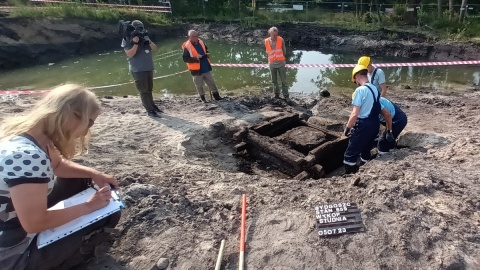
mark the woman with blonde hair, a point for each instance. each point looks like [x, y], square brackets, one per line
[34, 148]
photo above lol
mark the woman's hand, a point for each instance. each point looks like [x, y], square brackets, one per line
[103, 179]
[100, 199]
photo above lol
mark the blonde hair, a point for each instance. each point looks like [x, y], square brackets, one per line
[53, 113]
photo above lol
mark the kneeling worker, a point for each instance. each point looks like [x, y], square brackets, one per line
[395, 120]
[363, 124]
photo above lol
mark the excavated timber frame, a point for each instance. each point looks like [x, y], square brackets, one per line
[259, 141]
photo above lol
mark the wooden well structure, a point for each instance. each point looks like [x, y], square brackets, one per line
[294, 146]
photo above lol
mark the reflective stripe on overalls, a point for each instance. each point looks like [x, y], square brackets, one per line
[364, 133]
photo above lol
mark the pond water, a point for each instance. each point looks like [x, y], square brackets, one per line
[112, 68]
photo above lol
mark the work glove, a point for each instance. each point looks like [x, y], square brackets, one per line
[347, 132]
[389, 136]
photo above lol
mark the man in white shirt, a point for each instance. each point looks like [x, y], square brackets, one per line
[376, 76]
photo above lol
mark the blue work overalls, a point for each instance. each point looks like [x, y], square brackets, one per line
[399, 122]
[364, 133]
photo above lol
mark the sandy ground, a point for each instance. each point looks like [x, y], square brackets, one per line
[183, 185]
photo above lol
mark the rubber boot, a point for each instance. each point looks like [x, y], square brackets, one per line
[202, 97]
[350, 169]
[216, 96]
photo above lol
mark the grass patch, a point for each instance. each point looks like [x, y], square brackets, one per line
[340, 20]
[369, 21]
[73, 10]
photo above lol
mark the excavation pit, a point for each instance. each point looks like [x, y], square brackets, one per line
[294, 146]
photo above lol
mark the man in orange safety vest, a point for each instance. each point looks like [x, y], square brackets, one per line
[275, 48]
[196, 55]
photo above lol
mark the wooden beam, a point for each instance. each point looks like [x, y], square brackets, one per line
[277, 125]
[317, 171]
[276, 149]
[241, 146]
[241, 134]
[302, 176]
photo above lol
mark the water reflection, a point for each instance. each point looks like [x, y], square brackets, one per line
[112, 68]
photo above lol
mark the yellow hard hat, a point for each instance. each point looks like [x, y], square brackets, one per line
[357, 69]
[364, 61]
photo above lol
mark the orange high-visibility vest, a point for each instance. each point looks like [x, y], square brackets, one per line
[277, 54]
[193, 53]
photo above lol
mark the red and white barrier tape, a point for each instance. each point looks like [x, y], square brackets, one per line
[33, 92]
[420, 64]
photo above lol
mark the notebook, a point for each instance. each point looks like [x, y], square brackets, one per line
[49, 236]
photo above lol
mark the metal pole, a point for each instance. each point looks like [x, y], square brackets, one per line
[241, 259]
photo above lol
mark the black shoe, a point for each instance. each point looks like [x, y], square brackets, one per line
[153, 114]
[216, 96]
[202, 97]
[350, 169]
[277, 96]
[157, 109]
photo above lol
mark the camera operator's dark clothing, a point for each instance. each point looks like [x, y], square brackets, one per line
[142, 60]
[144, 84]
[141, 66]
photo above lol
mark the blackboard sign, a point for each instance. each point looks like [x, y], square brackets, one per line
[338, 218]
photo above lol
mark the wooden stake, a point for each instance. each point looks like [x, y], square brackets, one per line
[220, 255]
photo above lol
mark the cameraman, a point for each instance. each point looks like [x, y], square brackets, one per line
[138, 47]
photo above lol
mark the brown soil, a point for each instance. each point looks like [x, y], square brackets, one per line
[182, 184]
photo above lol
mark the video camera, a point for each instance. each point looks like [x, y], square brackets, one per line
[126, 29]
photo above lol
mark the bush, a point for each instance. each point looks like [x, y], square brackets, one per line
[84, 12]
[369, 17]
[399, 14]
